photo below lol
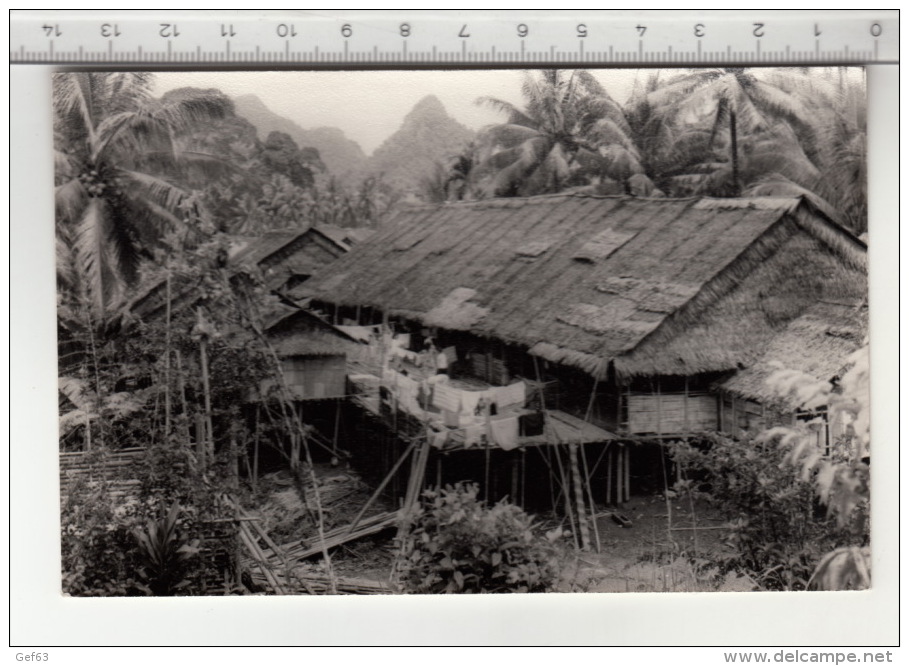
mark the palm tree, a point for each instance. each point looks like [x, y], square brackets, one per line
[835, 146]
[570, 132]
[738, 104]
[117, 160]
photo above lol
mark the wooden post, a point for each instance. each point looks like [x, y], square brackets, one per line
[627, 483]
[593, 506]
[610, 454]
[523, 475]
[486, 493]
[659, 403]
[234, 460]
[685, 408]
[334, 440]
[619, 475]
[514, 480]
[579, 496]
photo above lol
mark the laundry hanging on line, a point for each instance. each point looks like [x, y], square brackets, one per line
[506, 396]
[446, 398]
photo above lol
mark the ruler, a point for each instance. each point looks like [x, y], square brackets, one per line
[336, 39]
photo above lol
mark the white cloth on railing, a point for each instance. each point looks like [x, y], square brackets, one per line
[438, 439]
[504, 432]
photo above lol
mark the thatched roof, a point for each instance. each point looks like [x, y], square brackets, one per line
[747, 308]
[279, 254]
[816, 343]
[262, 248]
[294, 332]
[583, 280]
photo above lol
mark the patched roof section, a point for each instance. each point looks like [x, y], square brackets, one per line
[578, 279]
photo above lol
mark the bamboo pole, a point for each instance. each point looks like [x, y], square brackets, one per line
[593, 506]
[181, 386]
[167, 342]
[566, 490]
[208, 440]
[381, 486]
[579, 496]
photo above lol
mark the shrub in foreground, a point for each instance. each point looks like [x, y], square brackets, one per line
[458, 544]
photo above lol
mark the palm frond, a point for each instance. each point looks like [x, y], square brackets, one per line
[515, 115]
[508, 135]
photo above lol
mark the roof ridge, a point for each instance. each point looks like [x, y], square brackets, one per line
[545, 198]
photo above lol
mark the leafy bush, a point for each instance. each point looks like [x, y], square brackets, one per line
[460, 545]
[779, 530]
[96, 544]
[164, 555]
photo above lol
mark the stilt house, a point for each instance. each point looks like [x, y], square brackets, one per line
[623, 318]
[286, 259]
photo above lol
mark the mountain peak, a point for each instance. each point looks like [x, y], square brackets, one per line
[427, 136]
[341, 155]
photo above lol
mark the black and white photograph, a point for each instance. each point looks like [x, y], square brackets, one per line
[462, 332]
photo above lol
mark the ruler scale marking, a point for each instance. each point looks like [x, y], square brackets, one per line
[848, 38]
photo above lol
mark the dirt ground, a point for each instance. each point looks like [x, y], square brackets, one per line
[650, 557]
[645, 555]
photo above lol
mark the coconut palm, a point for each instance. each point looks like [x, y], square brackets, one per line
[117, 160]
[570, 132]
[835, 146]
[738, 104]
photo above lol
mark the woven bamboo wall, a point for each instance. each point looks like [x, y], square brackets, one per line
[670, 413]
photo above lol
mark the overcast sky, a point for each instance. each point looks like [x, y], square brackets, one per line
[370, 105]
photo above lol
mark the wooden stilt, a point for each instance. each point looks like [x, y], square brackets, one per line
[578, 484]
[566, 491]
[523, 475]
[486, 493]
[515, 464]
[620, 475]
[610, 455]
[627, 484]
[593, 506]
[334, 438]
[381, 486]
